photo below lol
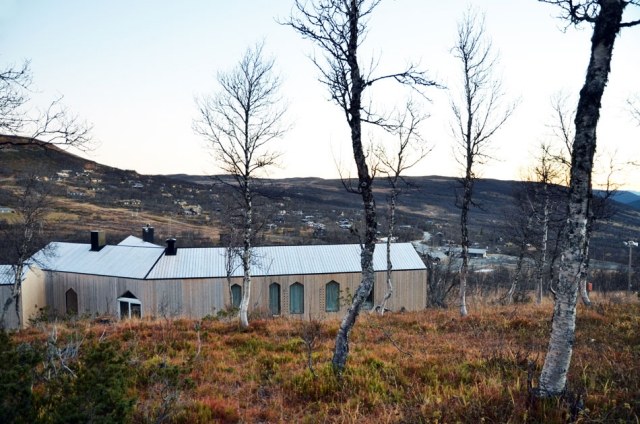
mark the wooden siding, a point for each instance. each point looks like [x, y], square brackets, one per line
[32, 300]
[159, 298]
[33, 295]
[409, 291]
[197, 298]
[11, 320]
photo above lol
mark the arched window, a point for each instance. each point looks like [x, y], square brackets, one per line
[71, 300]
[130, 306]
[274, 298]
[296, 298]
[332, 296]
[236, 294]
[368, 302]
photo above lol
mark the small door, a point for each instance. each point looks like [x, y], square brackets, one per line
[71, 298]
[274, 298]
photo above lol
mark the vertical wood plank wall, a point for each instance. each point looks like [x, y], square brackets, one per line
[196, 298]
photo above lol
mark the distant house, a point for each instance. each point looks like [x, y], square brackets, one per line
[136, 203]
[140, 278]
[477, 253]
[192, 210]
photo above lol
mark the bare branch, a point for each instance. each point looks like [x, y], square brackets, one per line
[478, 115]
[634, 108]
[338, 27]
[240, 121]
[14, 84]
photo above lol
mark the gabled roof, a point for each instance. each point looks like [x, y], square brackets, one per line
[113, 261]
[133, 241]
[134, 258]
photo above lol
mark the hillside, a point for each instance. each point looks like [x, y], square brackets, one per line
[199, 209]
[428, 366]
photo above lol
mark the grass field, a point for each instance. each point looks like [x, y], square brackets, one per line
[430, 366]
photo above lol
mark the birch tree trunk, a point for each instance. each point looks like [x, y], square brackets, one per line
[607, 24]
[246, 257]
[239, 121]
[336, 26]
[584, 272]
[464, 217]
[365, 181]
[478, 116]
[518, 273]
[392, 223]
[542, 263]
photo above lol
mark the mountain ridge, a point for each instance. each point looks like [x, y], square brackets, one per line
[198, 208]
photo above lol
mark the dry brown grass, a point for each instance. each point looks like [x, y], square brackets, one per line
[430, 366]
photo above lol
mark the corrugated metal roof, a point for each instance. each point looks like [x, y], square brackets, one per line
[6, 275]
[134, 258]
[283, 260]
[115, 261]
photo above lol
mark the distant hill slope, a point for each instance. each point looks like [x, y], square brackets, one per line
[630, 198]
[198, 209]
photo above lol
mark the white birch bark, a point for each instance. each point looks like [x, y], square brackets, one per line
[607, 24]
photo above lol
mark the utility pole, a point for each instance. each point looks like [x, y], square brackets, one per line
[631, 244]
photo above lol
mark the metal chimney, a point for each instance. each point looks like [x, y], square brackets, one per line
[147, 233]
[171, 247]
[98, 240]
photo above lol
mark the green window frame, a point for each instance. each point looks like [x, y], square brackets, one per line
[236, 295]
[296, 298]
[332, 296]
[274, 299]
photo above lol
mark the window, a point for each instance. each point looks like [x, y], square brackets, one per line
[368, 302]
[236, 294]
[296, 298]
[332, 296]
[129, 306]
[274, 298]
[71, 298]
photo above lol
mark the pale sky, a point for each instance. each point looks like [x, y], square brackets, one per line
[133, 69]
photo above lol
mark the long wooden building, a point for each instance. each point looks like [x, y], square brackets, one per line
[137, 278]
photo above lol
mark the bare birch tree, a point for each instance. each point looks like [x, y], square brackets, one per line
[25, 237]
[337, 27]
[606, 18]
[520, 222]
[240, 121]
[547, 202]
[478, 115]
[393, 163]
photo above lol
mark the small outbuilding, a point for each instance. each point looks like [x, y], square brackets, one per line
[31, 301]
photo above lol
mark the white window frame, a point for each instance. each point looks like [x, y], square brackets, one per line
[129, 301]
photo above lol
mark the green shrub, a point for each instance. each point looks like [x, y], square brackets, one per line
[99, 392]
[17, 375]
